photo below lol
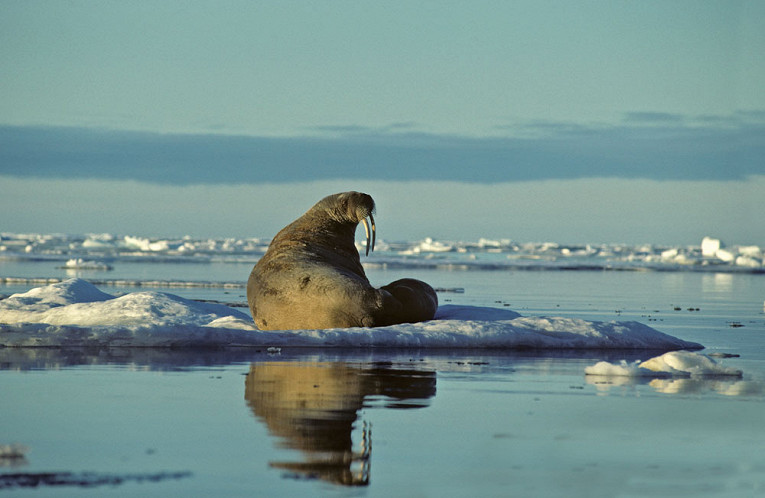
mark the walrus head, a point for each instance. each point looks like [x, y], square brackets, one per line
[354, 208]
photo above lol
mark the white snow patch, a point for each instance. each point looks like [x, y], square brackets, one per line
[38, 299]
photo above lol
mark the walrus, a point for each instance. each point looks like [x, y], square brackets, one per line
[311, 275]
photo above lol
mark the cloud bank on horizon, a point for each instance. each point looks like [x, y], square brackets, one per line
[655, 177]
[657, 146]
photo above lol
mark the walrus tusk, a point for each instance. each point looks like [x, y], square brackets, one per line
[374, 230]
[366, 230]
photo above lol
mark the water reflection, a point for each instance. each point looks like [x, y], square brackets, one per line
[717, 283]
[314, 407]
[691, 386]
[13, 455]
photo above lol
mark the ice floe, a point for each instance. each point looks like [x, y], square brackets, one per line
[673, 363]
[675, 372]
[76, 313]
[83, 264]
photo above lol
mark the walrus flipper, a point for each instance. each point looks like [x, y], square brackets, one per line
[418, 301]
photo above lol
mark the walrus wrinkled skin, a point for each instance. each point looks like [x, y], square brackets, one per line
[311, 276]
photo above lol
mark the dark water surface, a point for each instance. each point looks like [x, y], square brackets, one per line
[329, 422]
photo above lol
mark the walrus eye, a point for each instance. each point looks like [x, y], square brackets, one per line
[366, 230]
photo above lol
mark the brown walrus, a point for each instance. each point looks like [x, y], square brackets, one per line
[311, 276]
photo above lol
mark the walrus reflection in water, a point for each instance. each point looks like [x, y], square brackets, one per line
[313, 407]
[311, 276]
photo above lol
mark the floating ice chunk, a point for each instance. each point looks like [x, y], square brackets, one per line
[82, 264]
[430, 245]
[587, 250]
[675, 363]
[146, 245]
[96, 244]
[710, 246]
[160, 245]
[673, 255]
[750, 251]
[725, 255]
[136, 243]
[483, 243]
[361, 245]
[684, 362]
[622, 369]
[748, 262]
[98, 241]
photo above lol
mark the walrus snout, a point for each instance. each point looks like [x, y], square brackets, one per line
[354, 207]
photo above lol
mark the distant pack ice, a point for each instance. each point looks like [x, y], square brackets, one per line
[487, 254]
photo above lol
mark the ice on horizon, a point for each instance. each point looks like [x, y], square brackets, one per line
[75, 313]
[710, 254]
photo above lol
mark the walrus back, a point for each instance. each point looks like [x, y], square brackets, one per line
[284, 296]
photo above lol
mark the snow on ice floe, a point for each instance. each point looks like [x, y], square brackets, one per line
[76, 313]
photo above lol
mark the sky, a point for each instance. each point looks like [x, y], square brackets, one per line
[592, 121]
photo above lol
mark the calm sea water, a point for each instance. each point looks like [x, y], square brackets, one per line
[403, 423]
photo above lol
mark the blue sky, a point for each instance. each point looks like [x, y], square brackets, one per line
[600, 121]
